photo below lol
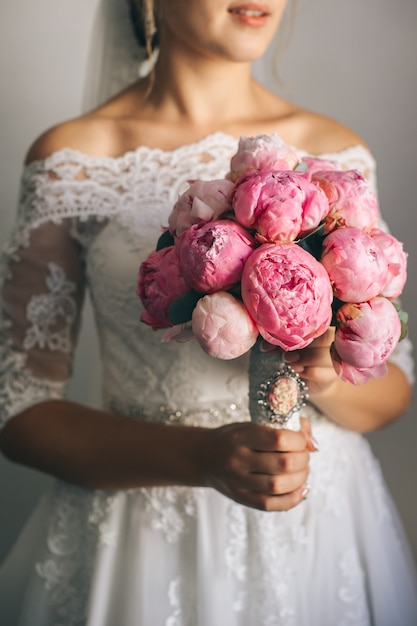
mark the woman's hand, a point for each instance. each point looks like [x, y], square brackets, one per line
[259, 466]
[357, 407]
[314, 363]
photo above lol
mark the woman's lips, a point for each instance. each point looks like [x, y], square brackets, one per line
[254, 15]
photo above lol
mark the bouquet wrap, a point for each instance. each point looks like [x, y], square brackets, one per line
[276, 393]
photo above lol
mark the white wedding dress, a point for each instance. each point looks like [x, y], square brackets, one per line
[172, 556]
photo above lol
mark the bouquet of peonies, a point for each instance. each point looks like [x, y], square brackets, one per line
[281, 248]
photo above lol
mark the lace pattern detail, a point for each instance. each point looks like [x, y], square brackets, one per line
[71, 184]
[82, 521]
[351, 592]
[50, 318]
[170, 509]
[181, 601]
[45, 310]
[271, 561]
[19, 389]
[66, 567]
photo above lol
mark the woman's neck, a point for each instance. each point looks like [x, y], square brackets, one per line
[205, 92]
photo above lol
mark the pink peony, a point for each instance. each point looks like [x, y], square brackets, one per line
[212, 255]
[315, 205]
[396, 260]
[279, 204]
[263, 152]
[203, 201]
[366, 336]
[316, 164]
[159, 283]
[351, 200]
[222, 326]
[355, 264]
[288, 294]
[356, 375]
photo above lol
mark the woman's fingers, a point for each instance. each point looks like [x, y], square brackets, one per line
[317, 357]
[273, 463]
[268, 439]
[260, 466]
[277, 484]
[265, 502]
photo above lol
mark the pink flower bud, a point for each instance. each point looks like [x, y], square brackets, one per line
[351, 200]
[264, 152]
[212, 255]
[356, 375]
[355, 264]
[288, 294]
[222, 326]
[203, 201]
[367, 333]
[396, 260]
[159, 283]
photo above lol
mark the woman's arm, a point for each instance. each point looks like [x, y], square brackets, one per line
[255, 465]
[367, 407]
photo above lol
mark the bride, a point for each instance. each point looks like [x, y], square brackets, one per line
[169, 506]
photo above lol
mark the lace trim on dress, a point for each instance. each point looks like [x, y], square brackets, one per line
[71, 184]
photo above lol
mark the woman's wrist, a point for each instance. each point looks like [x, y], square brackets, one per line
[191, 447]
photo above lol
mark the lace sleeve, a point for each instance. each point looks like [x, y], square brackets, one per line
[40, 298]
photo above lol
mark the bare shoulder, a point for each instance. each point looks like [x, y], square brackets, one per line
[106, 131]
[85, 134]
[318, 134]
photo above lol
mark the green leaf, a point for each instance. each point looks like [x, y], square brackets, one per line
[181, 309]
[165, 240]
[236, 291]
[301, 167]
[403, 316]
[336, 304]
[313, 242]
[404, 322]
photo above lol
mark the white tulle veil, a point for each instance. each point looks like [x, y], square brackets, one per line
[115, 58]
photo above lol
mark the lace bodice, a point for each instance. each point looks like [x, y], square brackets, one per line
[88, 222]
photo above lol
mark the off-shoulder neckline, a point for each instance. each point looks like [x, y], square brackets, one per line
[198, 145]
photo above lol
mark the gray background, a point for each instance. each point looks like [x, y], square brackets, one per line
[355, 61]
